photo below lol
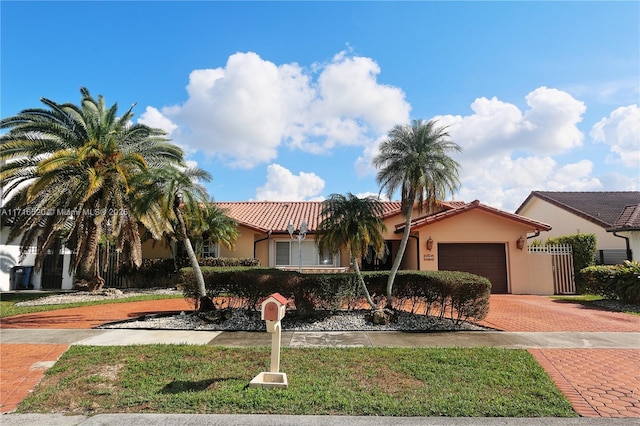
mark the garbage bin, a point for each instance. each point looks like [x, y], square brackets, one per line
[20, 277]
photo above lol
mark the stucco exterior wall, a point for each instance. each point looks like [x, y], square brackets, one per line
[540, 275]
[634, 243]
[566, 223]
[477, 226]
[152, 249]
[243, 246]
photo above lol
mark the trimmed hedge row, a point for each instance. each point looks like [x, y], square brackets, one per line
[614, 281]
[164, 272]
[457, 295]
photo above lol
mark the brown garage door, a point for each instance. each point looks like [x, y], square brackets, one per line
[487, 260]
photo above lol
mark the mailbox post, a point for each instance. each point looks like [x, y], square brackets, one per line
[272, 311]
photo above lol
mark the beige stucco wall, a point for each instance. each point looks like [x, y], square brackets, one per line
[243, 245]
[540, 275]
[566, 223]
[152, 249]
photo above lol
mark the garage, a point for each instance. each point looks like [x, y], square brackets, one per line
[485, 259]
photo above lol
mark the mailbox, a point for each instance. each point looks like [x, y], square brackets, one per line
[274, 307]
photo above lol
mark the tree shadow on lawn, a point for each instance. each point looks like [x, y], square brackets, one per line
[182, 386]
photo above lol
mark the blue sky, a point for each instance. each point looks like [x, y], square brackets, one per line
[289, 100]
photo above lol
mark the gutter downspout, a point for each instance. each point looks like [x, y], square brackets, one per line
[534, 235]
[626, 239]
[255, 243]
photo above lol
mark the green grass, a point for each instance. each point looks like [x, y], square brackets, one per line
[485, 382]
[8, 301]
[587, 300]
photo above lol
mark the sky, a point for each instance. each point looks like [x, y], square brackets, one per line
[288, 101]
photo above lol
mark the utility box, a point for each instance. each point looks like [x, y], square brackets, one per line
[273, 307]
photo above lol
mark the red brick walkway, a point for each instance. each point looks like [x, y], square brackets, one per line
[598, 382]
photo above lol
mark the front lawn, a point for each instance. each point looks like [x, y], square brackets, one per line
[9, 300]
[484, 382]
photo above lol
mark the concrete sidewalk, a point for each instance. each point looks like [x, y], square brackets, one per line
[274, 420]
[294, 339]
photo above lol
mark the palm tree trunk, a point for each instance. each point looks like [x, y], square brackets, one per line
[398, 258]
[354, 262]
[88, 273]
[202, 291]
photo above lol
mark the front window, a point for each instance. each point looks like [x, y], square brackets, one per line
[288, 254]
[209, 249]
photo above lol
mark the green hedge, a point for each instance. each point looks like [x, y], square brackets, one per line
[164, 272]
[457, 295]
[152, 273]
[614, 282]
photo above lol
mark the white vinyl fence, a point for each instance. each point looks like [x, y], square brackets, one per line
[562, 266]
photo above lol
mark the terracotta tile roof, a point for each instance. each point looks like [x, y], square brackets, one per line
[629, 219]
[464, 207]
[601, 208]
[274, 216]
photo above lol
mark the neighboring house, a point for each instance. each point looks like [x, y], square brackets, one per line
[584, 213]
[628, 226]
[19, 274]
[462, 236]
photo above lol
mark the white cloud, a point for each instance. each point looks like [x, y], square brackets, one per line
[154, 118]
[282, 185]
[243, 112]
[547, 127]
[504, 182]
[621, 130]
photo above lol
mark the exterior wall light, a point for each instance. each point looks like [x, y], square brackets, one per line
[520, 243]
[430, 244]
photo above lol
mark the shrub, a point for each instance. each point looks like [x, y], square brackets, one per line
[152, 273]
[600, 280]
[227, 261]
[614, 281]
[627, 279]
[458, 295]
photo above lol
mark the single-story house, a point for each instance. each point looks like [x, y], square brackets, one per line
[627, 226]
[584, 213]
[470, 237]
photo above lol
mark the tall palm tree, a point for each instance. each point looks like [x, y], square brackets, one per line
[415, 159]
[354, 224]
[69, 170]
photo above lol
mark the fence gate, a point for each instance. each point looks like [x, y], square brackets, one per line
[562, 265]
[110, 275]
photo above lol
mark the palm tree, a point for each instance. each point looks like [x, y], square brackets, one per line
[354, 224]
[414, 158]
[215, 226]
[181, 200]
[69, 170]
